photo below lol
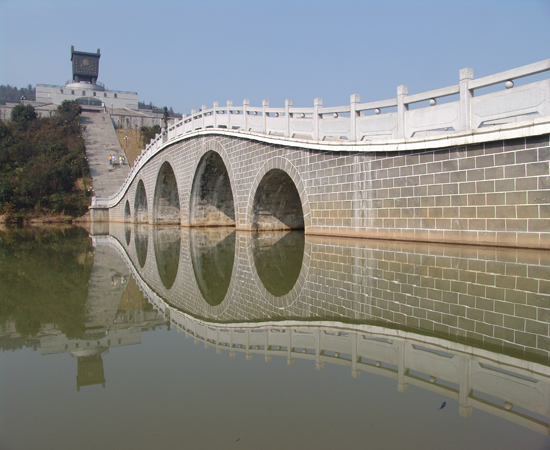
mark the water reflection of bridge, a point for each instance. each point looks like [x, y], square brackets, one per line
[467, 323]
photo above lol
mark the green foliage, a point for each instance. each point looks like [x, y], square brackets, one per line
[40, 161]
[143, 105]
[23, 115]
[148, 133]
[165, 117]
[12, 94]
[44, 277]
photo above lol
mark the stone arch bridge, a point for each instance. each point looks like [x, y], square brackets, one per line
[471, 169]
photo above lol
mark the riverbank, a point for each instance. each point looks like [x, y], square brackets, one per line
[42, 219]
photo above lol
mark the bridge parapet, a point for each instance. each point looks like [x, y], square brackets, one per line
[399, 118]
[402, 118]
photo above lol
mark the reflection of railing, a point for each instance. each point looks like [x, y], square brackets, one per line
[506, 386]
[381, 120]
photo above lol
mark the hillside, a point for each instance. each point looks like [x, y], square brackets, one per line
[43, 167]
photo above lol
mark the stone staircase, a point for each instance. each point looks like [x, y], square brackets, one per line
[101, 142]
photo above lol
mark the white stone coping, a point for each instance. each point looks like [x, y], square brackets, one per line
[534, 127]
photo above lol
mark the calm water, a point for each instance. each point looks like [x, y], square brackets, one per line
[141, 337]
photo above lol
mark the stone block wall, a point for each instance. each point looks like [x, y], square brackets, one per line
[495, 193]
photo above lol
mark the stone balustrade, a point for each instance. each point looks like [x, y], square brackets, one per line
[432, 119]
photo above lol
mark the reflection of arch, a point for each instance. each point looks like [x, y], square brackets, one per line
[141, 242]
[141, 212]
[127, 233]
[167, 244]
[166, 202]
[127, 214]
[213, 257]
[278, 260]
[285, 300]
[277, 198]
[211, 202]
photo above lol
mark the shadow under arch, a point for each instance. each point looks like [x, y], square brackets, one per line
[127, 215]
[141, 242]
[277, 204]
[167, 244]
[213, 258]
[141, 212]
[278, 260]
[211, 202]
[166, 201]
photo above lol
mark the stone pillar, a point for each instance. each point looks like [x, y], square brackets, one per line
[464, 373]
[319, 365]
[289, 358]
[353, 114]
[193, 119]
[246, 104]
[355, 372]
[465, 98]
[288, 105]
[267, 356]
[99, 214]
[215, 112]
[229, 105]
[231, 348]
[402, 386]
[317, 105]
[265, 105]
[402, 92]
[203, 108]
[248, 354]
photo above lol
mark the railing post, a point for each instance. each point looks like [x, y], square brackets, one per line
[215, 112]
[354, 101]
[203, 108]
[317, 104]
[265, 105]
[402, 92]
[246, 104]
[193, 119]
[288, 105]
[229, 105]
[465, 98]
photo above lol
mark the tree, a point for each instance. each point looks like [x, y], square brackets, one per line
[165, 117]
[69, 112]
[23, 114]
[148, 133]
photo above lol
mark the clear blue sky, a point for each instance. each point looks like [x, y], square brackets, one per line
[189, 53]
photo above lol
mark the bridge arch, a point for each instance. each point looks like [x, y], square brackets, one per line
[211, 199]
[127, 215]
[166, 201]
[141, 211]
[278, 200]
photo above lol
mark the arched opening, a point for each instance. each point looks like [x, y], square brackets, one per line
[277, 204]
[213, 256]
[211, 196]
[167, 253]
[141, 212]
[142, 242]
[166, 205]
[278, 260]
[127, 212]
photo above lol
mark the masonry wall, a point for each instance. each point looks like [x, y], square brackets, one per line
[496, 193]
